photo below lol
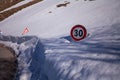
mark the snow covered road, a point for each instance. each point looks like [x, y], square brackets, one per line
[41, 23]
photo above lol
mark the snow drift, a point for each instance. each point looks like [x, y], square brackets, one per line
[30, 55]
[95, 58]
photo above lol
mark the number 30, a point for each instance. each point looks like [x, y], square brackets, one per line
[78, 33]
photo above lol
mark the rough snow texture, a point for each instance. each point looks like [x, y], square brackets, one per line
[30, 55]
[95, 58]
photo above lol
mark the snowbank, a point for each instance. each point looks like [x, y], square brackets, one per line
[30, 55]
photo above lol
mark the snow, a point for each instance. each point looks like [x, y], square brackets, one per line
[29, 51]
[89, 59]
[17, 5]
[40, 21]
[53, 55]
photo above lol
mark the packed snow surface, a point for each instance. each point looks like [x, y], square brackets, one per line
[91, 14]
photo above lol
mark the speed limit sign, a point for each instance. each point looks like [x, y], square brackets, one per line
[78, 32]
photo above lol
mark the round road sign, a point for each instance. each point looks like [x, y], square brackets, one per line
[78, 32]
